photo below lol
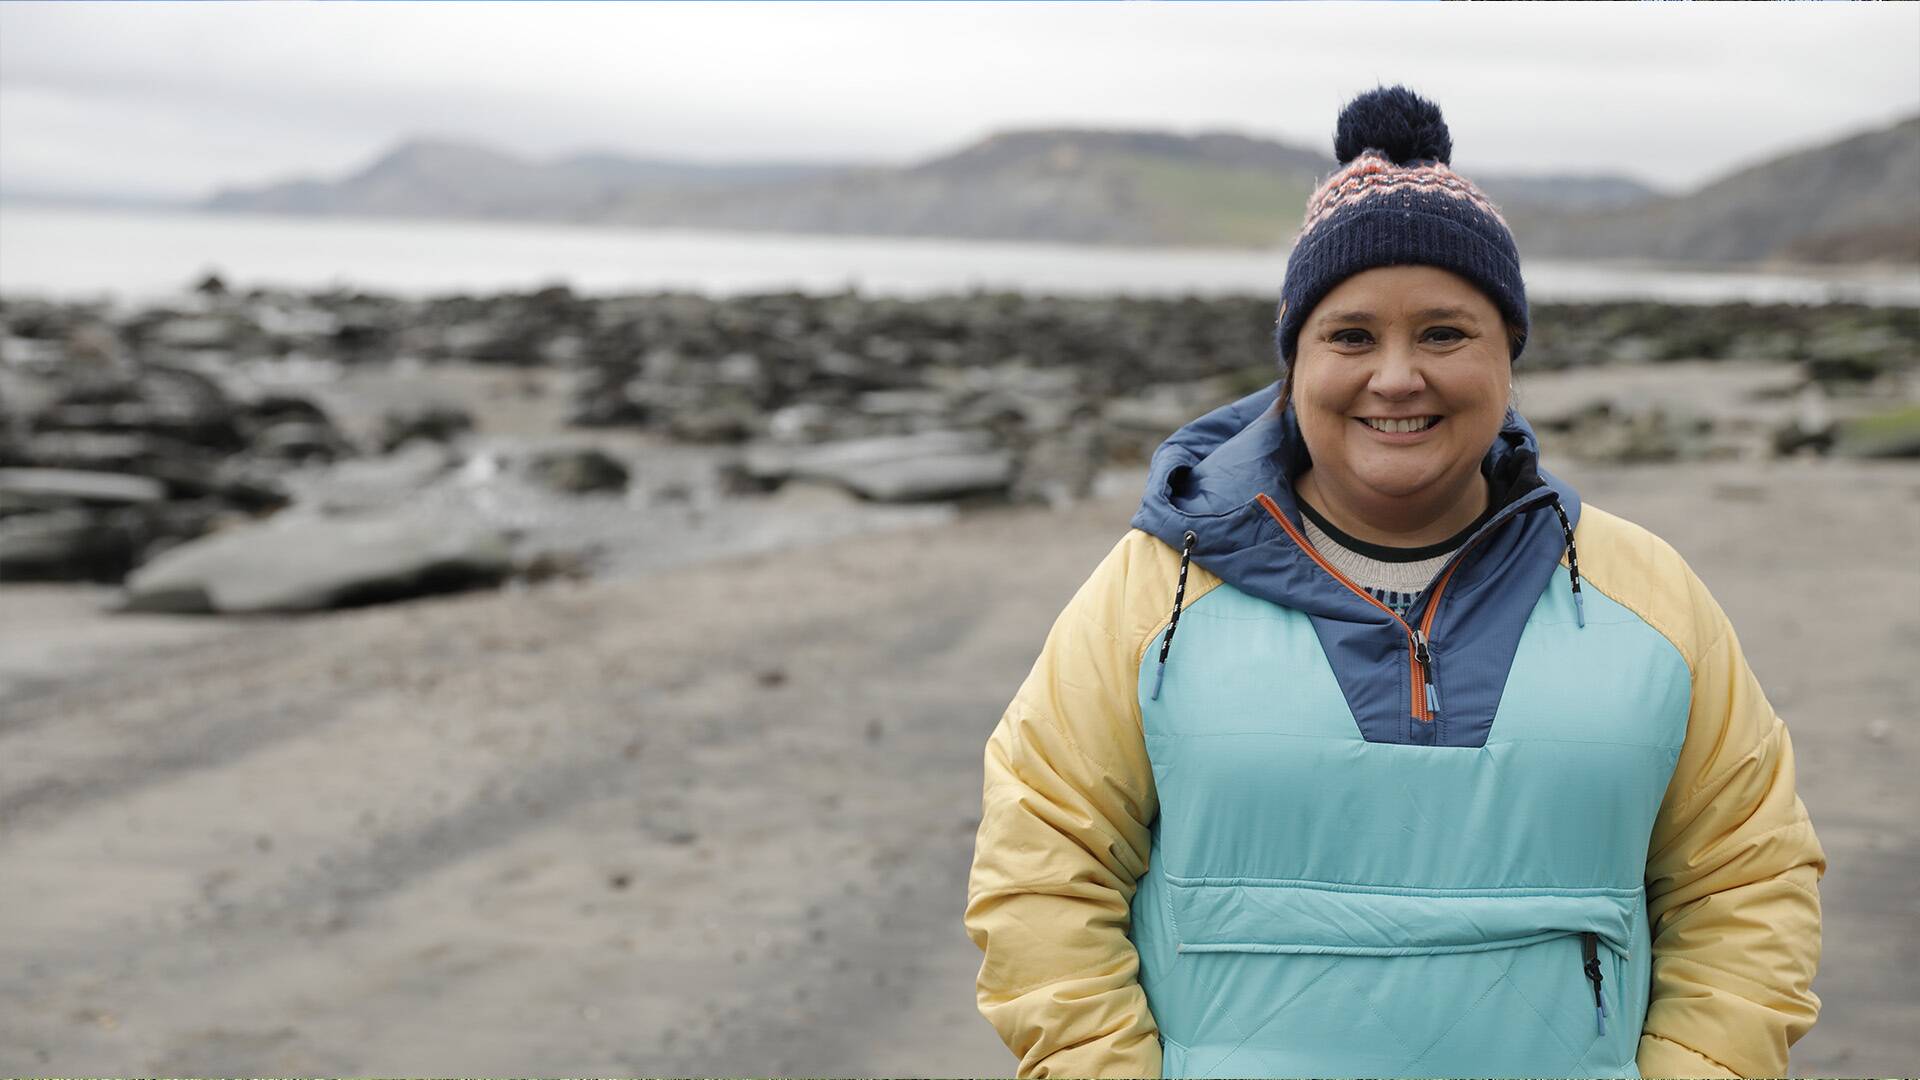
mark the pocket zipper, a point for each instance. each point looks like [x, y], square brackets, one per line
[1590, 951]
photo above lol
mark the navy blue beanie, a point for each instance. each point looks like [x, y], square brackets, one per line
[1394, 201]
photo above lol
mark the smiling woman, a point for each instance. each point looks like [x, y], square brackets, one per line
[1407, 799]
[1401, 383]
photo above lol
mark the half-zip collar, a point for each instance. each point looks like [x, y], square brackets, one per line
[1220, 491]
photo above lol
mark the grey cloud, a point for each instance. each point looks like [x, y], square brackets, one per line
[1672, 93]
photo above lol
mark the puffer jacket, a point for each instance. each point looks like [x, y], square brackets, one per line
[1241, 819]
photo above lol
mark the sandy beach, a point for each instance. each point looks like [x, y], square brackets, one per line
[717, 820]
[515, 536]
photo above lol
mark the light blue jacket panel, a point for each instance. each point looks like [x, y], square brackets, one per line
[1318, 904]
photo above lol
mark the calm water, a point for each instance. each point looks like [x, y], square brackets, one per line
[136, 255]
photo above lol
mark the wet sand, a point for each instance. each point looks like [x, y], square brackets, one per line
[717, 819]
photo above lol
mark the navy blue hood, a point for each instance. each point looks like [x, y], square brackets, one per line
[1205, 479]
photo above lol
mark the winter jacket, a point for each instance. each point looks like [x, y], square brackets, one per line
[1241, 819]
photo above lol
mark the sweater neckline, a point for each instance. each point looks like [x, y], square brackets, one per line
[1387, 553]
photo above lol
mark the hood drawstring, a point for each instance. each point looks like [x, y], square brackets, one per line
[1573, 565]
[1179, 597]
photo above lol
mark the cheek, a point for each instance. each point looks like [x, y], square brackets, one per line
[1326, 391]
[1476, 392]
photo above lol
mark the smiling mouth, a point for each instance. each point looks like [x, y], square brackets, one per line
[1400, 427]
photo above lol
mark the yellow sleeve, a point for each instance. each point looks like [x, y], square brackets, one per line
[1064, 833]
[1732, 874]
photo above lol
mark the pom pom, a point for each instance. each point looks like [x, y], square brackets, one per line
[1395, 121]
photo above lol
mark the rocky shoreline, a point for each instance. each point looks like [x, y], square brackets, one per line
[273, 451]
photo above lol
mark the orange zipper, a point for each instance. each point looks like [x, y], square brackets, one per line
[1420, 667]
[1420, 678]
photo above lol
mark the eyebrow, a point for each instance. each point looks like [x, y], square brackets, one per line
[1368, 316]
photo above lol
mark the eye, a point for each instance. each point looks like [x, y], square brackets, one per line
[1339, 337]
[1457, 335]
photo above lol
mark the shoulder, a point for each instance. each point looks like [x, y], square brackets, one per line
[1644, 574]
[1130, 594]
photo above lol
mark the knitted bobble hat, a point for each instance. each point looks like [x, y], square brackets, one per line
[1395, 201]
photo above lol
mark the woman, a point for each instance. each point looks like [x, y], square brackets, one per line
[1370, 750]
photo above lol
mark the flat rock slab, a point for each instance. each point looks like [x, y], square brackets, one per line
[374, 483]
[893, 468]
[78, 485]
[941, 476]
[309, 563]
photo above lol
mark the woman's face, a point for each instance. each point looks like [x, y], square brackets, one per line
[1396, 343]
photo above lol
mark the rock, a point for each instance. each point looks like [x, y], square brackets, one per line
[94, 345]
[1811, 427]
[904, 403]
[813, 496]
[934, 476]
[109, 451]
[901, 468]
[718, 424]
[604, 405]
[556, 566]
[741, 369]
[1570, 416]
[801, 422]
[1060, 468]
[59, 487]
[68, 545]
[1159, 410]
[1639, 430]
[167, 525]
[1842, 354]
[192, 332]
[437, 421]
[1891, 434]
[93, 543]
[369, 483]
[276, 407]
[228, 481]
[774, 462]
[579, 471]
[1636, 349]
[308, 563]
[300, 442]
[154, 399]
[1028, 413]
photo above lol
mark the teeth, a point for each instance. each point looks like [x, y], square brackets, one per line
[1420, 424]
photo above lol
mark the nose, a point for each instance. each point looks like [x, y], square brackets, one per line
[1397, 377]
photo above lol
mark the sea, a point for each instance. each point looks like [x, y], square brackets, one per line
[141, 256]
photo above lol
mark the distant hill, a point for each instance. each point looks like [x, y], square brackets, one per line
[438, 178]
[1099, 187]
[1064, 185]
[1856, 199]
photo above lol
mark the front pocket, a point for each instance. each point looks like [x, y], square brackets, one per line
[1335, 918]
[1318, 978]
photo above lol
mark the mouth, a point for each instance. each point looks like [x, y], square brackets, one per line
[1401, 430]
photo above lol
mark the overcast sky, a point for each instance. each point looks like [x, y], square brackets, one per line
[179, 99]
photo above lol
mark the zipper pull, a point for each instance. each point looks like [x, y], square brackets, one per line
[1590, 949]
[1425, 657]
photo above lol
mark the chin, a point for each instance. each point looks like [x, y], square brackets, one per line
[1399, 478]
[1399, 487]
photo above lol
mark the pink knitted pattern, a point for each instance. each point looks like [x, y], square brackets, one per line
[1372, 174]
